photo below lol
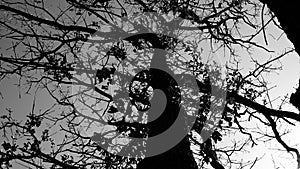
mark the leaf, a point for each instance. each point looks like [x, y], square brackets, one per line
[216, 136]
[6, 146]
[112, 110]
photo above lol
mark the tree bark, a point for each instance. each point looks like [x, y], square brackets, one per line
[179, 157]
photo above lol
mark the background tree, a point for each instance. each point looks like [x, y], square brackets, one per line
[287, 16]
[51, 48]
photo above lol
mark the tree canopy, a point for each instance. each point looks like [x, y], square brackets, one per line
[100, 72]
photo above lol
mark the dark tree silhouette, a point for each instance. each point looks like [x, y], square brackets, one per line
[286, 13]
[73, 50]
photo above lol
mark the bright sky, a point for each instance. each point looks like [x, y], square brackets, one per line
[285, 81]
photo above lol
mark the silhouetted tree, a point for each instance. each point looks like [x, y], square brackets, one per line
[72, 50]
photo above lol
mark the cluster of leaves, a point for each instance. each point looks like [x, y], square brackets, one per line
[104, 74]
[118, 52]
[33, 121]
[139, 92]
[59, 67]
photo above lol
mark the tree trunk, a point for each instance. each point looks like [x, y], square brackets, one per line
[179, 157]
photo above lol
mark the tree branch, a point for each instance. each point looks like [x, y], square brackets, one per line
[263, 109]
